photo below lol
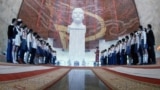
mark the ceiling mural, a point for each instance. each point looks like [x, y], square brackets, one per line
[104, 19]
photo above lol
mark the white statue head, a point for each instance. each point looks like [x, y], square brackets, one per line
[77, 15]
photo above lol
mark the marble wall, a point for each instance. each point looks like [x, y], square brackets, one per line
[105, 19]
[149, 12]
[8, 9]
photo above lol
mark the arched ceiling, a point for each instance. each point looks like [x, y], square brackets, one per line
[104, 19]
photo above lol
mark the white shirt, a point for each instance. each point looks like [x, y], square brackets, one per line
[117, 48]
[120, 47]
[137, 40]
[132, 40]
[113, 49]
[46, 47]
[106, 53]
[143, 36]
[53, 54]
[17, 37]
[124, 45]
[128, 43]
[24, 34]
[29, 39]
[34, 43]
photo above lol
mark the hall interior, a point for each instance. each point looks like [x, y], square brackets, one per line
[107, 21]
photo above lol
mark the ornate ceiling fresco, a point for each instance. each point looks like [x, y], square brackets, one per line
[104, 19]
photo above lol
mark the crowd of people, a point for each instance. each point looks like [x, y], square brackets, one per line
[137, 48]
[26, 46]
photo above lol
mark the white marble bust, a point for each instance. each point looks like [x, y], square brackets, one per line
[77, 32]
[77, 17]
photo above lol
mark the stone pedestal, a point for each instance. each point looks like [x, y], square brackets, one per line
[77, 46]
[77, 32]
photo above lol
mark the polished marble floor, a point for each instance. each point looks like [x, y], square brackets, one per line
[79, 79]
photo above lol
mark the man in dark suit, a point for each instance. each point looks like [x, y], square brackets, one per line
[151, 43]
[10, 34]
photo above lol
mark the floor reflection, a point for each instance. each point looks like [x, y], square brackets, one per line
[79, 79]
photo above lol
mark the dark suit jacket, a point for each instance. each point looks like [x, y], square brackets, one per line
[10, 31]
[150, 38]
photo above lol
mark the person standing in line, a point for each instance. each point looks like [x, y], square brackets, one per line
[106, 57]
[124, 59]
[34, 47]
[128, 49]
[23, 46]
[29, 45]
[17, 40]
[132, 47]
[136, 41]
[46, 48]
[112, 58]
[114, 55]
[109, 56]
[137, 48]
[43, 44]
[144, 43]
[140, 46]
[39, 51]
[50, 54]
[102, 58]
[13, 42]
[120, 52]
[151, 44]
[10, 34]
[145, 61]
[97, 56]
[117, 53]
[54, 57]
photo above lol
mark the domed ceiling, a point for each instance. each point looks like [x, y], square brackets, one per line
[104, 19]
